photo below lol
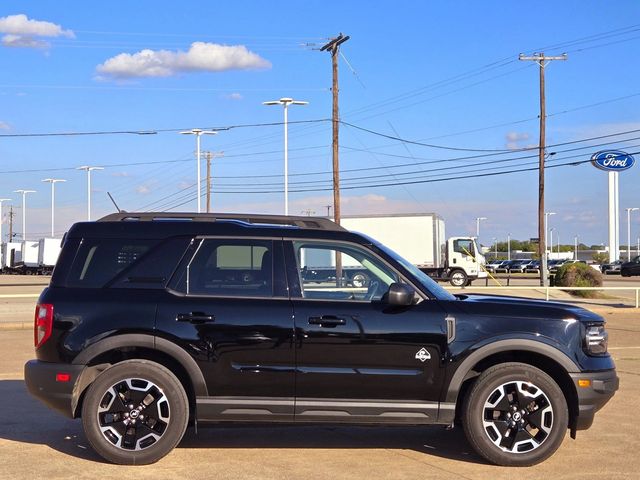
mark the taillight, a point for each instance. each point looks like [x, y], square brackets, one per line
[42, 324]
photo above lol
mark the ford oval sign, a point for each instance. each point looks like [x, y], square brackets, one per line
[612, 160]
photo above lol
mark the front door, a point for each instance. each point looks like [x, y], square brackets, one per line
[358, 358]
[228, 308]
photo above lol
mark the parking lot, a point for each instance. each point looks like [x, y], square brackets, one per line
[38, 443]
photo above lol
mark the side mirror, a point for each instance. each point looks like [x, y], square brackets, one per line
[400, 294]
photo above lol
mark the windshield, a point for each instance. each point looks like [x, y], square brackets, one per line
[437, 291]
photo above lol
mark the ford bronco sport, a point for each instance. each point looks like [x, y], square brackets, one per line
[154, 321]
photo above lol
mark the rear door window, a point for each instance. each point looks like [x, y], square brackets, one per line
[99, 260]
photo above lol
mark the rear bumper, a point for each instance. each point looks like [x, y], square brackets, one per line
[602, 386]
[42, 383]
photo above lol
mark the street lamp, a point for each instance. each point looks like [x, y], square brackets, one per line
[629, 210]
[53, 182]
[478, 219]
[495, 241]
[2, 200]
[198, 132]
[24, 211]
[551, 241]
[575, 254]
[88, 170]
[543, 259]
[508, 246]
[285, 102]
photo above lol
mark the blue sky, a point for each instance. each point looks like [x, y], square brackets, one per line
[442, 73]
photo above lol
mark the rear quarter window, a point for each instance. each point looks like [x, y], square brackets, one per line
[100, 260]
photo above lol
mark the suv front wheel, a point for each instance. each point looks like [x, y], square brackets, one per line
[135, 412]
[515, 415]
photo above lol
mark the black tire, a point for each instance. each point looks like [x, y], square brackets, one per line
[458, 278]
[160, 422]
[521, 436]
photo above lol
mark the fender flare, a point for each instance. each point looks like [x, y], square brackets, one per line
[505, 346]
[153, 343]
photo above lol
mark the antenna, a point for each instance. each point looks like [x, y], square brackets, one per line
[115, 204]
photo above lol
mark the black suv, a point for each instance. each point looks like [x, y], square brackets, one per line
[155, 321]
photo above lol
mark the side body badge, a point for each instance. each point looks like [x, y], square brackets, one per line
[423, 355]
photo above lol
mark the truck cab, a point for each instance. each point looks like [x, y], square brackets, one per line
[464, 261]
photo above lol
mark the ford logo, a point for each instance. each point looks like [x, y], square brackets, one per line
[612, 160]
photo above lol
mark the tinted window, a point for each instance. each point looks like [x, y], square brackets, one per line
[363, 276]
[100, 260]
[226, 267]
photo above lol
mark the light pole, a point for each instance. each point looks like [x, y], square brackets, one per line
[551, 240]
[2, 200]
[575, 254]
[543, 253]
[53, 182]
[24, 211]
[478, 220]
[508, 246]
[88, 170]
[198, 132]
[495, 241]
[285, 102]
[629, 210]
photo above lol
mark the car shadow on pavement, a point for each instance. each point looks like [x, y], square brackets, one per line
[24, 419]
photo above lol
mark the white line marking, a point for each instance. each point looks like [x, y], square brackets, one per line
[20, 295]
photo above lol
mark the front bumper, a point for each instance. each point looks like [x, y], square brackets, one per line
[591, 398]
[42, 383]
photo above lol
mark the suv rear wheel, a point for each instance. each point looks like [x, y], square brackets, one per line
[135, 412]
[515, 415]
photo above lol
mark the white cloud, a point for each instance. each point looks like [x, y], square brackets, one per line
[516, 140]
[201, 57]
[143, 190]
[20, 41]
[22, 32]
[4, 126]
[234, 96]
[121, 174]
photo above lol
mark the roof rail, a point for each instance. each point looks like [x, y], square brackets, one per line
[317, 223]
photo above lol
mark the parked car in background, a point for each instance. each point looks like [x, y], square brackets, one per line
[612, 268]
[506, 265]
[519, 266]
[492, 265]
[533, 267]
[630, 269]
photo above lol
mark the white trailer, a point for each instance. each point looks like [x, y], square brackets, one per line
[420, 238]
[48, 251]
[26, 261]
[10, 255]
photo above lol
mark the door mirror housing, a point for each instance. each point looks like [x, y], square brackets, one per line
[400, 294]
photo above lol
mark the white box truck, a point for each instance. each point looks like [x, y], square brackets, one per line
[26, 261]
[48, 251]
[10, 255]
[420, 238]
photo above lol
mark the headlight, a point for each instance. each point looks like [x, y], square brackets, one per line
[596, 340]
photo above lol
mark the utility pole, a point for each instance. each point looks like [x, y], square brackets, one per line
[333, 47]
[542, 62]
[1, 218]
[210, 156]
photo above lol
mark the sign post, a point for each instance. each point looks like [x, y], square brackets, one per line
[613, 161]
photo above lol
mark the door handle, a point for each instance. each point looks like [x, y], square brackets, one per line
[195, 317]
[327, 321]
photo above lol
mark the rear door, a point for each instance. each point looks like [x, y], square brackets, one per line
[227, 306]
